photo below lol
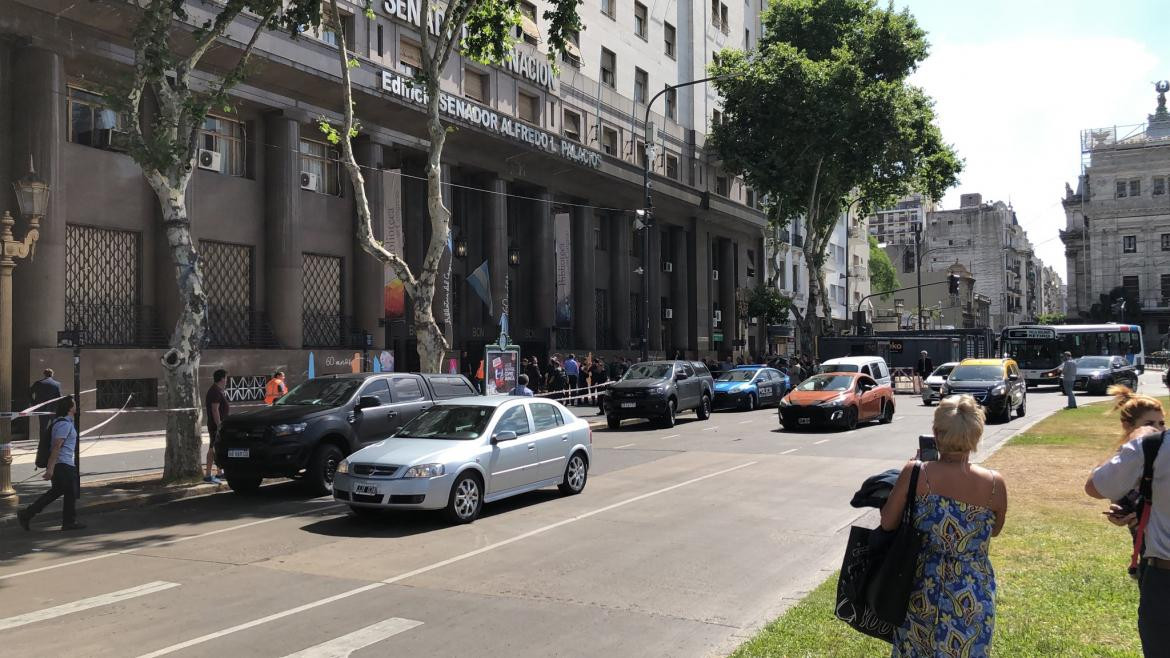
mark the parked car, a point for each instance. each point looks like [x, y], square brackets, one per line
[748, 387]
[994, 383]
[306, 433]
[659, 390]
[932, 386]
[1095, 374]
[463, 453]
[841, 399]
[870, 366]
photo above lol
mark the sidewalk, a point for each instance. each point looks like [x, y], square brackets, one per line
[117, 471]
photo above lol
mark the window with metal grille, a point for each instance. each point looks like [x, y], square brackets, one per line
[322, 163]
[102, 279]
[323, 324]
[601, 299]
[113, 393]
[225, 137]
[227, 281]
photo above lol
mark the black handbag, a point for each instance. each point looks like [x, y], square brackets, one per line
[852, 607]
[888, 588]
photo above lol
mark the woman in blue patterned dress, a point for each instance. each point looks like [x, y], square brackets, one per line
[959, 508]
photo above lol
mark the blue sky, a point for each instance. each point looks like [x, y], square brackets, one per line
[1016, 82]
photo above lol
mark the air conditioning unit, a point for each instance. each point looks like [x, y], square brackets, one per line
[668, 313]
[714, 275]
[209, 160]
[719, 316]
[308, 180]
[668, 266]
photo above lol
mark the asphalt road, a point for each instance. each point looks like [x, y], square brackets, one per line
[684, 543]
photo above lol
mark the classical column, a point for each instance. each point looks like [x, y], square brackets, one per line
[654, 271]
[699, 280]
[369, 272]
[680, 290]
[620, 280]
[496, 241]
[545, 260]
[38, 89]
[584, 302]
[729, 324]
[284, 282]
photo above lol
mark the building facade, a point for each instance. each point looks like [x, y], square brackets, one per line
[542, 173]
[941, 309]
[1117, 222]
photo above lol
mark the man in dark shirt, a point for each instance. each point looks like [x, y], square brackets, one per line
[217, 408]
[922, 370]
[44, 390]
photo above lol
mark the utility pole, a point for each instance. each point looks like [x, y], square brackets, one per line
[918, 268]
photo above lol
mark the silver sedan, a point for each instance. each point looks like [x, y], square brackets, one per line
[463, 453]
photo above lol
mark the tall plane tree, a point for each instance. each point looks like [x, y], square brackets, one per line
[483, 30]
[166, 107]
[822, 110]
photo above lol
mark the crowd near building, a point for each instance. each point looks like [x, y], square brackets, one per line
[542, 173]
[1117, 230]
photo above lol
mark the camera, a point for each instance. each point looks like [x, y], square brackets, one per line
[927, 448]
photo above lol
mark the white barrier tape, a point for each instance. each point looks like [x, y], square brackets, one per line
[108, 420]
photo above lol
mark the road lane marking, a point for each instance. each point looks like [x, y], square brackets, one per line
[789, 451]
[437, 565]
[343, 646]
[817, 443]
[745, 422]
[623, 446]
[669, 436]
[167, 542]
[85, 604]
[708, 429]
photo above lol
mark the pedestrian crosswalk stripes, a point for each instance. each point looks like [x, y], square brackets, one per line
[345, 645]
[84, 604]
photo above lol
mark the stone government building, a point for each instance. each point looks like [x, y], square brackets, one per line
[544, 172]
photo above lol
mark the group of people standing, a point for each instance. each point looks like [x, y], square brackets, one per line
[576, 382]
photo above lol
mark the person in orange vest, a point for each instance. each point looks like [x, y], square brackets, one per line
[479, 375]
[275, 388]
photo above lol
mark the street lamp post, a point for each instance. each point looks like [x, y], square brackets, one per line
[32, 194]
[646, 215]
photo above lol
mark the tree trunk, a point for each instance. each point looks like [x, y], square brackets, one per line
[432, 344]
[182, 458]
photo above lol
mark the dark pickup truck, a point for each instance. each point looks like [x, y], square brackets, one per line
[310, 430]
[658, 390]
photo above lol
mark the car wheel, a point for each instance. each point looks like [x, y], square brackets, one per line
[322, 467]
[576, 473]
[851, 415]
[466, 499]
[365, 512]
[613, 422]
[244, 484]
[1023, 407]
[668, 417]
[927, 403]
[750, 403]
[887, 413]
[704, 409]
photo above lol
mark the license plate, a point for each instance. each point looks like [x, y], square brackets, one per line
[238, 454]
[803, 421]
[629, 405]
[367, 489]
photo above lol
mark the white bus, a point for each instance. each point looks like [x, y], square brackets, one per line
[1037, 348]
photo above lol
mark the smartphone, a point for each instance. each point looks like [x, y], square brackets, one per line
[927, 448]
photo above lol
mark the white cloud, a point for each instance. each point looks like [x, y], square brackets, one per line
[1014, 109]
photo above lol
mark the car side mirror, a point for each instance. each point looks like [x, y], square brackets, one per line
[506, 435]
[1013, 377]
[681, 376]
[367, 401]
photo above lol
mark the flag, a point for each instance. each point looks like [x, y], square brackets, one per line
[503, 328]
[480, 281]
[377, 364]
[312, 367]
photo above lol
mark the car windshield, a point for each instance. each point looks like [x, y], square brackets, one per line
[454, 422]
[324, 392]
[649, 371]
[837, 367]
[1093, 362]
[976, 373]
[942, 371]
[826, 383]
[737, 376]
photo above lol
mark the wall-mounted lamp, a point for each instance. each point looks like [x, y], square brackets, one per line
[461, 247]
[514, 257]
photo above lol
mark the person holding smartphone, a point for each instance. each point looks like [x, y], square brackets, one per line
[958, 507]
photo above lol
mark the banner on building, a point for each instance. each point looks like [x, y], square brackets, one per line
[564, 251]
[393, 292]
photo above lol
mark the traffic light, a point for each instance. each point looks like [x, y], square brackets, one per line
[953, 284]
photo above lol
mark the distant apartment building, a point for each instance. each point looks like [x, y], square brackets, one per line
[895, 225]
[1052, 292]
[1117, 226]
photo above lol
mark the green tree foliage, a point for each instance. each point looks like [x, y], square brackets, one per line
[1051, 318]
[882, 274]
[765, 302]
[822, 110]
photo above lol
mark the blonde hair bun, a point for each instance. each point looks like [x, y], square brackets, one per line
[958, 424]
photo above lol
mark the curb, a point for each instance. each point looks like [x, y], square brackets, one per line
[118, 500]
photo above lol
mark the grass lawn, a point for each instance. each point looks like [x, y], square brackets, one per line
[1060, 567]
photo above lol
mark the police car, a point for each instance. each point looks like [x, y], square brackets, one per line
[748, 387]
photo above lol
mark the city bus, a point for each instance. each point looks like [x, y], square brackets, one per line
[1038, 348]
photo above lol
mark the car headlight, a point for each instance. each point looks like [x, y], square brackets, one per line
[657, 390]
[288, 429]
[785, 402]
[832, 402]
[999, 390]
[1100, 375]
[740, 389]
[343, 467]
[424, 471]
